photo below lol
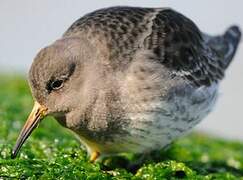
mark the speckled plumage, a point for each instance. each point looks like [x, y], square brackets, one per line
[166, 33]
[135, 78]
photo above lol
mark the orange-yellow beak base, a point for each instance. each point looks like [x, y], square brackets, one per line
[37, 113]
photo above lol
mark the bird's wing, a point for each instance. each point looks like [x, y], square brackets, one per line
[190, 53]
[180, 46]
[174, 40]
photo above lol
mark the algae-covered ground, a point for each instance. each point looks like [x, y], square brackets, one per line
[52, 152]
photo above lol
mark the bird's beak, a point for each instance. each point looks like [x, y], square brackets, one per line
[38, 112]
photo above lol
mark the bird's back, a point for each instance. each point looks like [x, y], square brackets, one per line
[166, 35]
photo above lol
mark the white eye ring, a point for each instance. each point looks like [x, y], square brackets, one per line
[57, 84]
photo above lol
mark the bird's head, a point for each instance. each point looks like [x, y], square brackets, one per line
[57, 77]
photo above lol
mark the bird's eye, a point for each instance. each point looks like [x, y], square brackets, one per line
[57, 84]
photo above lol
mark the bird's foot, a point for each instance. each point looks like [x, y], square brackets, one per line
[94, 156]
[131, 163]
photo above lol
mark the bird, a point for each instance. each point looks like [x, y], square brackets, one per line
[129, 79]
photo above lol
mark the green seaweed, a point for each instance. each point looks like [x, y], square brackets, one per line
[52, 152]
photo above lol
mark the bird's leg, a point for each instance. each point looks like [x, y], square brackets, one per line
[146, 157]
[94, 156]
[141, 158]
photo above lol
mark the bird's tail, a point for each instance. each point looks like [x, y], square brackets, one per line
[232, 36]
[226, 45]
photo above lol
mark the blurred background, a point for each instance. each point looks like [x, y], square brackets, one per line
[26, 26]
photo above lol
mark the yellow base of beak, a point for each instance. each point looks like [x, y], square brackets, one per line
[38, 112]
